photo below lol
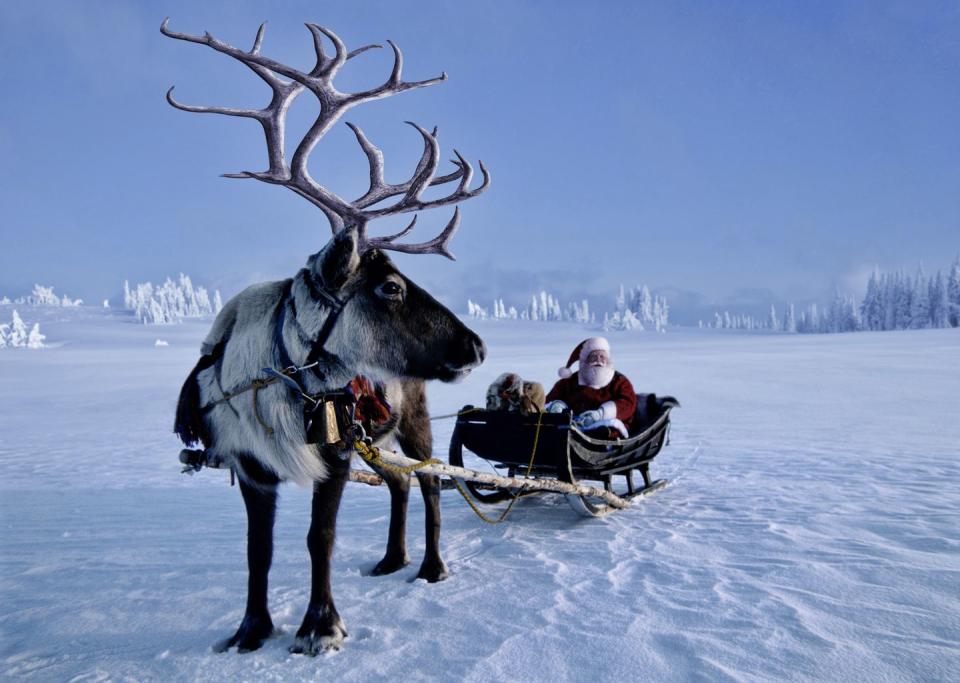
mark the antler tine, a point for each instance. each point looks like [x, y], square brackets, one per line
[402, 233]
[271, 117]
[330, 66]
[255, 50]
[396, 73]
[379, 189]
[438, 245]
[359, 50]
[406, 205]
[394, 83]
[238, 54]
[374, 158]
[426, 167]
[318, 48]
[197, 109]
[467, 173]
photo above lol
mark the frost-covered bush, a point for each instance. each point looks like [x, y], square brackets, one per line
[626, 320]
[652, 312]
[15, 334]
[169, 302]
[44, 296]
[476, 311]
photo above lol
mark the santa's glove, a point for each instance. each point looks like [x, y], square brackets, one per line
[587, 418]
[555, 407]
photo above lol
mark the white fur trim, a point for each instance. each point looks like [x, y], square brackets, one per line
[565, 373]
[594, 344]
[609, 410]
[615, 423]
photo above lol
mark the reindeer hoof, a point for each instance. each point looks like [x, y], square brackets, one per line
[389, 564]
[322, 630]
[250, 636]
[433, 571]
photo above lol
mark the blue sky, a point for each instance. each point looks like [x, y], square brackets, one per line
[728, 154]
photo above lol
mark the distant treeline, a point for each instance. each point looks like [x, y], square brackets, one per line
[636, 309]
[894, 301]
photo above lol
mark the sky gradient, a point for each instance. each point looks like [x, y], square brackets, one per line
[727, 154]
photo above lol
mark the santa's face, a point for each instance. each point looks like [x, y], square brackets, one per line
[598, 358]
[597, 369]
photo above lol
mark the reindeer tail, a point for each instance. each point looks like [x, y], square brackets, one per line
[189, 424]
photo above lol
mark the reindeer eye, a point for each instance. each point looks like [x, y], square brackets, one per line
[390, 290]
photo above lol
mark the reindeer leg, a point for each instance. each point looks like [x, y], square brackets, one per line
[261, 503]
[396, 555]
[416, 440]
[322, 628]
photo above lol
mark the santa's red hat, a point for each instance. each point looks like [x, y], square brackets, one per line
[579, 354]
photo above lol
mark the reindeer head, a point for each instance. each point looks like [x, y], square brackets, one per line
[392, 326]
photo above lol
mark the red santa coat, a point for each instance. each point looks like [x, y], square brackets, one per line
[581, 398]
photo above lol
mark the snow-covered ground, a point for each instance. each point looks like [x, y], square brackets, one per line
[811, 530]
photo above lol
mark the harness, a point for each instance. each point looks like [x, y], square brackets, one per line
[328, 416]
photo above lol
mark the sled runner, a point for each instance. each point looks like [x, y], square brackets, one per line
[550, 446]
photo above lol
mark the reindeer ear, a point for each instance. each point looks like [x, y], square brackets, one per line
[337, 261]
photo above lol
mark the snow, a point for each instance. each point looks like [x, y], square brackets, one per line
[811, 529]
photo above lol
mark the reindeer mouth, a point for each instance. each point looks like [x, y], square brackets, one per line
[454, 373]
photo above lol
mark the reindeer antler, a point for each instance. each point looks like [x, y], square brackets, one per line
[294, 175]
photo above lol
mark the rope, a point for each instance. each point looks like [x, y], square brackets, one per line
[262, 383]
[371, 454]
[506, 511]
[449, 415]
[257, 385]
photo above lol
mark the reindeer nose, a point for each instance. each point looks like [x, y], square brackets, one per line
[469, 353]
[479, 349]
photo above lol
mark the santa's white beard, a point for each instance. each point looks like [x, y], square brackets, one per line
[595, 376]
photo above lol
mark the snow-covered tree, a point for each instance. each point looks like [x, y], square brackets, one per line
[953, 294]
[35, 339]
[44, 296]
[15, 334]
[626, 320]
[170, 302]
[871, 310]
[789, 320]
[18, 331]
[920, 302]
[939, 304]
[476, 310]
[773, 322]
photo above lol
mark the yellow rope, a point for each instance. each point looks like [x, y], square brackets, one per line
[371, 454]
[516, 496]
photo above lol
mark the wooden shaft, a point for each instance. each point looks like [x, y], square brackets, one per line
[364, 477]
[555, 485]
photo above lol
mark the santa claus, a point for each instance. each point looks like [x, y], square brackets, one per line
[599, 396]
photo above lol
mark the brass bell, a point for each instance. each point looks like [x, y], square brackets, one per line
[329, 430]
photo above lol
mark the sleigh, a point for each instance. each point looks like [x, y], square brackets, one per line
[550, 446]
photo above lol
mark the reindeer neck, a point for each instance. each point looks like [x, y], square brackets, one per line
[306, 318]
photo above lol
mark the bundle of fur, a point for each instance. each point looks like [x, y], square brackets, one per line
[511, 393]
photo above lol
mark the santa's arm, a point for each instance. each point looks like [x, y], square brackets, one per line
[623, 403]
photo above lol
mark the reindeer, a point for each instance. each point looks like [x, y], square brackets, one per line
[349, 311]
